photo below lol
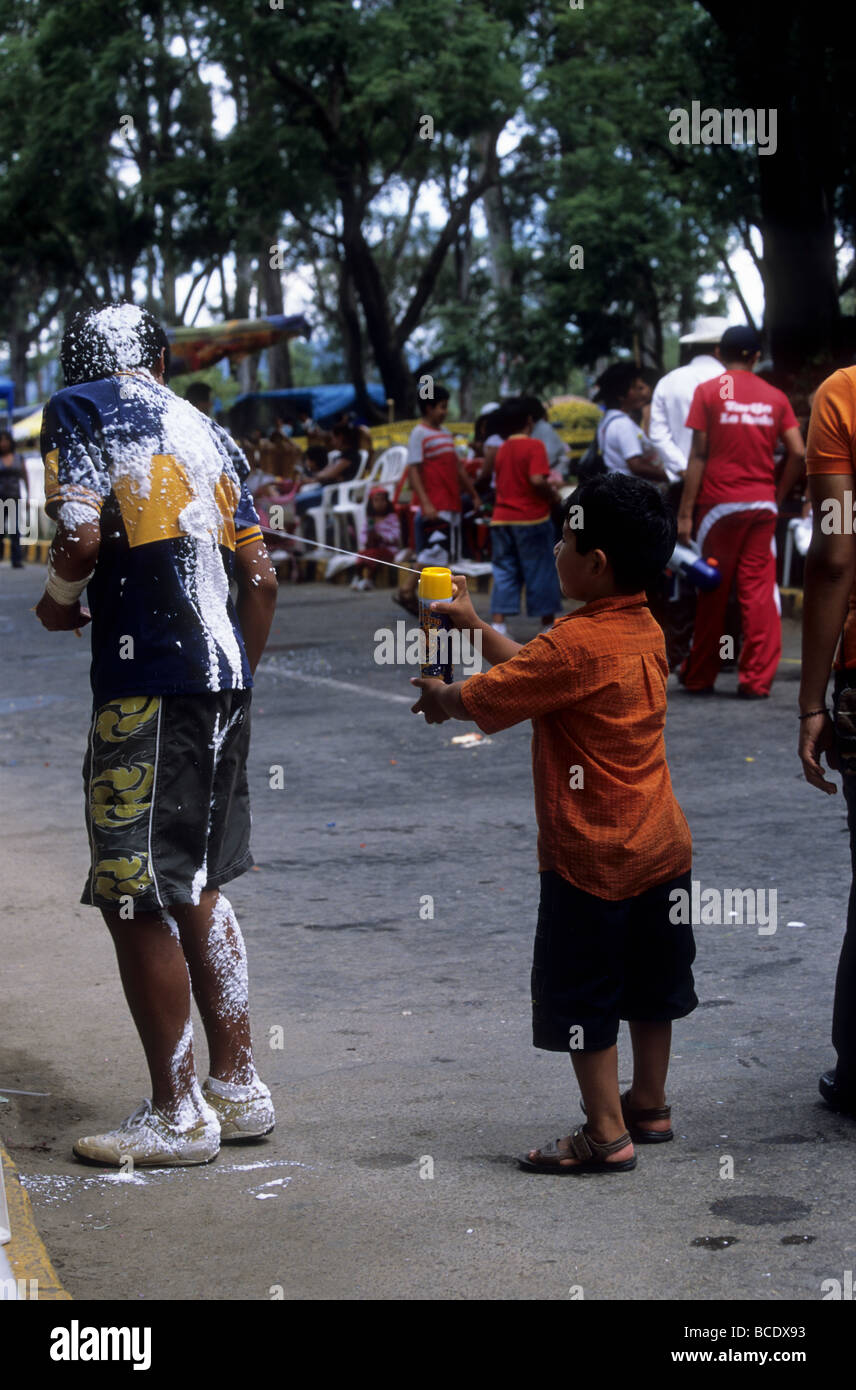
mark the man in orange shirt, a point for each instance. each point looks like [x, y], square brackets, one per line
[829, 622]
[614, 849]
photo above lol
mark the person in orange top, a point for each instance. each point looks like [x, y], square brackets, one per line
[829, 622]
[614, 849]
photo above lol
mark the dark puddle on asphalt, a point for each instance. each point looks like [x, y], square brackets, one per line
[798, 1240]
[761, 1210]
[346, 926]
[714, 1242]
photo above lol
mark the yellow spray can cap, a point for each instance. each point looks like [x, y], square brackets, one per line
[435, 584]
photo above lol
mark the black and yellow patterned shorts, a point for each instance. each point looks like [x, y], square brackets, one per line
[167, 801]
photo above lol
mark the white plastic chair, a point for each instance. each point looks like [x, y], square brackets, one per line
[473, 569]
[319, 516]
[353, 497]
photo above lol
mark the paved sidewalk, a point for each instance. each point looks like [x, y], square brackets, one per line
[405, 1041]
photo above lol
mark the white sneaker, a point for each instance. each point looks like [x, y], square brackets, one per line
[242, 1119]
[149, 1139]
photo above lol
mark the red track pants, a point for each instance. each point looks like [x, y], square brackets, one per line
[742, 544]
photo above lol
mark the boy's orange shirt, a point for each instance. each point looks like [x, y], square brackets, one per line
[595, 689]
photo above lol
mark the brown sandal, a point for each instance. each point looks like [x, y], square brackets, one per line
[592, 1155]
[638, 1133]
[634, 1119]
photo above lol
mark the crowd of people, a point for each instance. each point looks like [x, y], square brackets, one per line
[717, 438]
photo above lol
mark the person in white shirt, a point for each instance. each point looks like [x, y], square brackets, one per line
[674, 392]
[620, 439]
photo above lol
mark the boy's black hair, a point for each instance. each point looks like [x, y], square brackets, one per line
[439, 394]
[95, 345]
[513, 415]
[317, 455]
[349, 435]
[614, 383]
[489, 424]
[630, 522]
[199, 393]
[534, 407]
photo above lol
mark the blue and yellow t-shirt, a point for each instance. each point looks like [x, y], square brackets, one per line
[168, 485]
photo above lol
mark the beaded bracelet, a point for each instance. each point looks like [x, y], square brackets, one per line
[813, 712]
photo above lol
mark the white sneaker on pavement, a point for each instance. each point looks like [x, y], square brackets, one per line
[248, 1117]
[149, 1139]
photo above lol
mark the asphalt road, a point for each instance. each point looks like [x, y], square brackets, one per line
[406, 1080]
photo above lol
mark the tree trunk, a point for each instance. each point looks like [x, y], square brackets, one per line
[499, 231]
[781, 67]
[246, 370]
[19, 344]
[270, 284]
[352, 335]
[463, 256]
[364, 278]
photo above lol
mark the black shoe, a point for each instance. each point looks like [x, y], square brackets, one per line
[837, 1098]
[744, 693]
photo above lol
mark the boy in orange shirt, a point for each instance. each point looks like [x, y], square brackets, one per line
[614, 849]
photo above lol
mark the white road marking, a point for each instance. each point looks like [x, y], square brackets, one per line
[270, 668]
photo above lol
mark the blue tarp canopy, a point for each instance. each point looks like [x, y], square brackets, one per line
[7, 393]
[324, 403]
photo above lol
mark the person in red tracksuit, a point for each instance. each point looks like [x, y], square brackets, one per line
[730, 495]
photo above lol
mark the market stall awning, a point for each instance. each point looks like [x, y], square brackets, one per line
[26, 430]
[194, 349]
[324, 403]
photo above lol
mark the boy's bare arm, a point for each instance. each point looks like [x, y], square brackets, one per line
[257, 591]
[541, 484]
[72, 559]
[468, 485]
[692, 483]
[414, 473]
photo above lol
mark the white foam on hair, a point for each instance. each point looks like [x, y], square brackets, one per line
[117, 325]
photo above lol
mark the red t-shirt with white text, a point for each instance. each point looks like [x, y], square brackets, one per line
[743, 417]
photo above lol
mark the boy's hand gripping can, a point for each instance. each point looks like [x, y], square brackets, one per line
[435, 586]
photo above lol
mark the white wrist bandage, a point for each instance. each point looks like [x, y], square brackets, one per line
[64, 591]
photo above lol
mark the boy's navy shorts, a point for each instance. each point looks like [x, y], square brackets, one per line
[167, 801]
[597, 962]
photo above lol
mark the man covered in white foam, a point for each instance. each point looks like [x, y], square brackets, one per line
[155, 521]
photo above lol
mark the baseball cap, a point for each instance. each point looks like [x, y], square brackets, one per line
[740, 341]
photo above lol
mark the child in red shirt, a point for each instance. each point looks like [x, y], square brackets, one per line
[521, 531]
